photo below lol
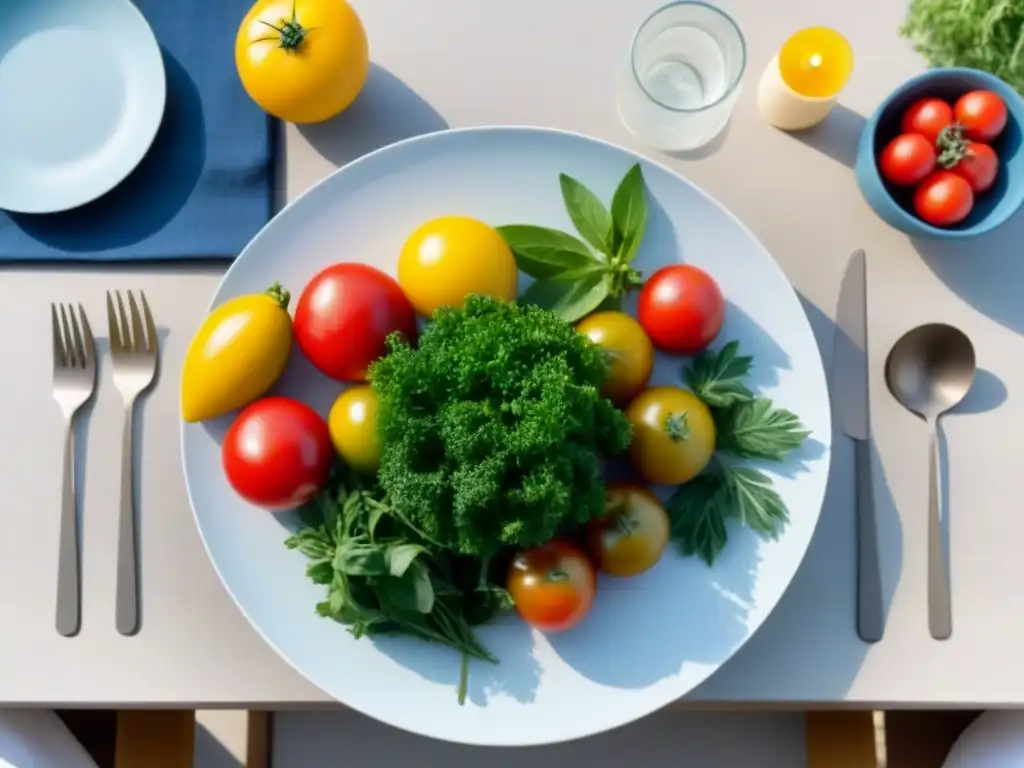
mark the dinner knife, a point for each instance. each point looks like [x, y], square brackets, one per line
[853, 410]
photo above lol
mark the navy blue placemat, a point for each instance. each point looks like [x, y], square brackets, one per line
[206, 185]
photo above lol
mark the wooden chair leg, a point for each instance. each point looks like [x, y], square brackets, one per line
[244, 735]
[841, 740]
[154, 739]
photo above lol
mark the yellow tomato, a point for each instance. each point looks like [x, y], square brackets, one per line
[630, 353]
[447, 259]
[237, 354]
[633, 533]
[302, 60]
[353, 426]
[673, 435]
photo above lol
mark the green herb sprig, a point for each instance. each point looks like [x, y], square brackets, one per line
[747, 427]
[574, 276]
[385, 577]
[983, 34]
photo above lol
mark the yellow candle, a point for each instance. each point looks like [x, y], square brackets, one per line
[816, 62]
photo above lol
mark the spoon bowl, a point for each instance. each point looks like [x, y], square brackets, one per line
[929, 370]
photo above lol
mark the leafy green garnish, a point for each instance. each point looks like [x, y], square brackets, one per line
[542, 253]
[571, 279]
[492, 429]
[757, 430]
[588, 214]
[384, 577]
[717, 378]
[983, 34]
[747, 427]
[629, 212]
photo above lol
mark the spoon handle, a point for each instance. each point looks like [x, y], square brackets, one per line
[940, 610]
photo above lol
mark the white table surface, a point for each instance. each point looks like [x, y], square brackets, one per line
[466, 62]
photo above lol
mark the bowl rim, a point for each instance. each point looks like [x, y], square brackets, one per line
[994, 83]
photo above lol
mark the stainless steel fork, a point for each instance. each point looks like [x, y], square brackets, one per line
[133, 349]
[74, 381]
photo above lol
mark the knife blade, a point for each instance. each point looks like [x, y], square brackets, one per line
[851, 395]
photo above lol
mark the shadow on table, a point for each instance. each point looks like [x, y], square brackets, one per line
[386, 111]
[813, 631]
[836, 136]
[986, 271]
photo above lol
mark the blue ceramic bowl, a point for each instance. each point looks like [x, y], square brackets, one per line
[894, 204]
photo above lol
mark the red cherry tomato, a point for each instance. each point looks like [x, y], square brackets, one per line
[943, 199]
[907, 159]
[552, 585]
[345, 314]
[681, 308]
[978, 166]
[982, 115]
[927, 117]
[277, 453]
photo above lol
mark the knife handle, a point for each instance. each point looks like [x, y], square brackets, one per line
[870, 610]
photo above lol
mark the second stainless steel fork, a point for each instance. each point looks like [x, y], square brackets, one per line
[133, 348]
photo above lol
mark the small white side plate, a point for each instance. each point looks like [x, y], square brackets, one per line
[82, 93]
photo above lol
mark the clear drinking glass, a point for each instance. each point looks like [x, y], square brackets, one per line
[683, 76]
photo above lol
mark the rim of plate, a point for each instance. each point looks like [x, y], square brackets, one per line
[151, 125]
[819, 369]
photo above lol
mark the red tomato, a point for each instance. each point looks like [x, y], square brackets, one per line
[344, 315]
[907, 159]
[927, 117]
[978, 166]
[277, 453]
[982, 115]
[552, 585]
[681, 309]
[943, 199]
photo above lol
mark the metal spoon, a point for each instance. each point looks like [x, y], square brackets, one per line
[929, 370]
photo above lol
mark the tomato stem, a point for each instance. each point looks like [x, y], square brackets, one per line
[951, 145]
[291, 33]
[280, 295]
[676, 427]
[555, 575]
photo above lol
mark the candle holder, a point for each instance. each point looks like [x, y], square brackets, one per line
[817, 58]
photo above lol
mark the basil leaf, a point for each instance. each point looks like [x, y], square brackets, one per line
[401, 556]
[579, 273]
[359, 559]
[569, 300]
[410, 592]
[629, 212]
[542, 252]
[588, 214]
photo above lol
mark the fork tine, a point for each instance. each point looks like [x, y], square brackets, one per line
[76, 335]
[126, 336]
[90, 344]
[151, 339]
[138, 337]
[58, 342]
[113, 332]
[69, 345]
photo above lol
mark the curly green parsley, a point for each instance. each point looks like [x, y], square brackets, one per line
[492, 429]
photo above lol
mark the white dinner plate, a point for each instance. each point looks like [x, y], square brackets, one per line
[82, 92]
[648, 640]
